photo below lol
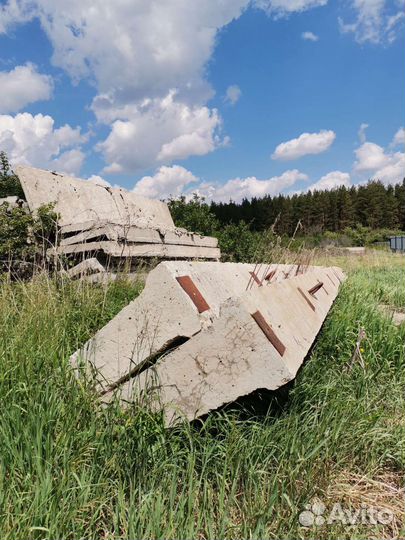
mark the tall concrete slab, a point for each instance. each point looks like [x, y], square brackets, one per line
[95, 219]
[78, 201]
[205, 333]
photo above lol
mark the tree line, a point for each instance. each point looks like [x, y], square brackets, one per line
[372, 205]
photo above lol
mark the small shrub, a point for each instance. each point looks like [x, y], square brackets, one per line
[9, 182]
[194, 215]
[24, 237]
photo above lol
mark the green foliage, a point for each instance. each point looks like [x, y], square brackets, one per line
[9, 182]
[24, 238]
[238, 243]
[194, 215]
[70, 468]
[374, 205]
[364, 236]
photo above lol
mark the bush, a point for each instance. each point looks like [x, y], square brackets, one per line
[194, 215]
[24, 238]
[9, 182]
[238, 243]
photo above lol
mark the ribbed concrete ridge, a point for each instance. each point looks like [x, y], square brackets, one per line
[204, 333]
[113, 222]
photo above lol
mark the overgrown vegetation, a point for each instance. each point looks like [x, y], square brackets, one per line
[9, 182]
[72, 469]
[240, 241]
[24, 237]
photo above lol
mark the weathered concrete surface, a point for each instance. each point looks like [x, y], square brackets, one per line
[113, 221]
[116, 249]
[233, 356]
[114, 232]
[199, 318]
[128, 235]
[163, 313]
[158, 317]
[185, 238]
[78, 201]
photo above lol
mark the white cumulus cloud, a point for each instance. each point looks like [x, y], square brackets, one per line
[147, 60]
[176, 180]
[305, 144]
[160, 130]
[373, 161]
[370, 156]
[309, 36]
[233, 94]
[166, 182]
[33, 140]
[399, 137]
[330, 181]
[21, 86]
[240, 188]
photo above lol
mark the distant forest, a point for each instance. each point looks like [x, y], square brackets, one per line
[372, 205]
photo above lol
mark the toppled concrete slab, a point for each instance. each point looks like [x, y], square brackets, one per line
[203, 334]
[95, 219]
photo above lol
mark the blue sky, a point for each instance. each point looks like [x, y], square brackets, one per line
[229, 98]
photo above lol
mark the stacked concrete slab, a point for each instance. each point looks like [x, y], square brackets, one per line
[95, 219]
[202, 334]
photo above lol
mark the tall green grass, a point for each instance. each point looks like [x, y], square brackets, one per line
[71, 469]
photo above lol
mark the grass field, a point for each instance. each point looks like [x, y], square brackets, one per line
[70, 469]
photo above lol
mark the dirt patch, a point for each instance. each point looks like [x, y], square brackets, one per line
[384, 491]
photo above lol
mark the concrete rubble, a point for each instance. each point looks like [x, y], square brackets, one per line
[110, 224]
[201, 334]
